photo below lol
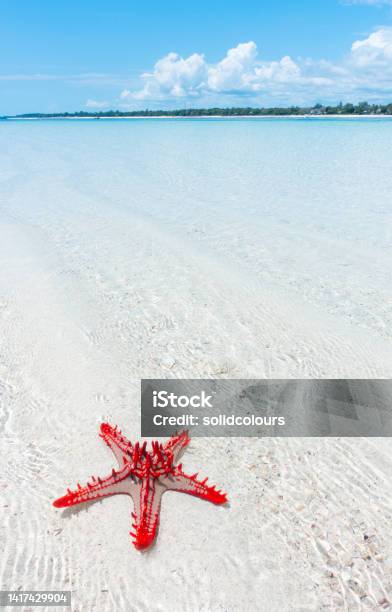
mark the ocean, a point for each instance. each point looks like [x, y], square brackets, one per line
[299, 206]
[211, 248]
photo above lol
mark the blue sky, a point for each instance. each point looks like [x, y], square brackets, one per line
[58, 56]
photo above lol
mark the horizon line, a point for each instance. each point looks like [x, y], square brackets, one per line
[292, 109]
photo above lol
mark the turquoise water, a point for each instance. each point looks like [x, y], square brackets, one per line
[194, 249]
[300, 206]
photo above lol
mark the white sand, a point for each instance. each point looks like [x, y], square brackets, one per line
[92, 298]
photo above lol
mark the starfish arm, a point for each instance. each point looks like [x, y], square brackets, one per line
[116, 483]
[176, 444]
[119, 445]
[147, 504]
[188, 484]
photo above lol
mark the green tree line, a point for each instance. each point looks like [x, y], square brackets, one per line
[362, 108]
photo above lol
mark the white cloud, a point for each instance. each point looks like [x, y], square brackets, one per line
[375, 50]
[370, 2]
[97, 104]
[173, 77]
[282, 71]
[365, 71]
[236, 70]
[239, 71]
[31, 77]
[84, 79]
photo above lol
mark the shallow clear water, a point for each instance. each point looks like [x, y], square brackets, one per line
[195, 249]
[302, 207]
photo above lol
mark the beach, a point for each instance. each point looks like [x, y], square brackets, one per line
[193, 249]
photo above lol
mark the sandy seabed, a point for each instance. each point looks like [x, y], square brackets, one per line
[94, 296]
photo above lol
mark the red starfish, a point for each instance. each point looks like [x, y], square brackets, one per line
[145, 475]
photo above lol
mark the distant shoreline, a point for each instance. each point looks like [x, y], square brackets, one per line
[211, 117]
[362, 109]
